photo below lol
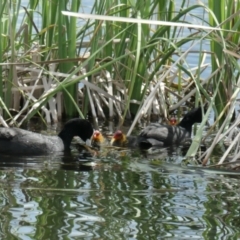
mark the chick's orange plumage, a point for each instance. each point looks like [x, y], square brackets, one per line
[119, 139]
[97, 139]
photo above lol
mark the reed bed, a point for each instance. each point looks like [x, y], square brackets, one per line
[122, 60]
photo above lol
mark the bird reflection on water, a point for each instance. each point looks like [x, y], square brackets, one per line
[57, 162]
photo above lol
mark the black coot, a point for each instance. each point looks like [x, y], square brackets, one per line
[16, 141]
[158, 135]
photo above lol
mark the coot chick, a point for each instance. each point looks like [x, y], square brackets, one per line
[158, 135]
[172, 121]
[16, 141]
[119, 139]
[98, 139]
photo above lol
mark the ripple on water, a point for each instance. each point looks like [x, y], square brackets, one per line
[118, 198]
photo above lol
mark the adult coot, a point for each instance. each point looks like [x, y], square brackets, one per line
[16, 141]
[158, 135]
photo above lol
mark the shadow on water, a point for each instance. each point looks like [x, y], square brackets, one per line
[118, 194]
[74, 162]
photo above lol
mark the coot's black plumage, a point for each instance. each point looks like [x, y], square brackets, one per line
[158, 135]
[16, 141]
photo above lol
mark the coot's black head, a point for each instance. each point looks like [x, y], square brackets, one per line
[79, 127]
[194, 116]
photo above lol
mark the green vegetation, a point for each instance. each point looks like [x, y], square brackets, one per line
[126, 69]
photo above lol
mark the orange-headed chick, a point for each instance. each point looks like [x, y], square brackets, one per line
[97, 139]
[119, 139]
[172, 121]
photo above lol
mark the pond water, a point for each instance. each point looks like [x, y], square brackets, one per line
[116, 195]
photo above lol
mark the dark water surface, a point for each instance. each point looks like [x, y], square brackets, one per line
[117, 195]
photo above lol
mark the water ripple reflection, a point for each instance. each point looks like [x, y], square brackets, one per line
[116, 199]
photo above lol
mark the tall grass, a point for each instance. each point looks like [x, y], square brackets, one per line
[222, 16]
[2, 44]
[224, 45]
[137, 54]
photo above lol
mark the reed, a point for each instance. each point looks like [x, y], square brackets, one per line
[224, 62]
[144, 50]
[226, 19]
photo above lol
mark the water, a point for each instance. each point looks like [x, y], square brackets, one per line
[117, 195]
